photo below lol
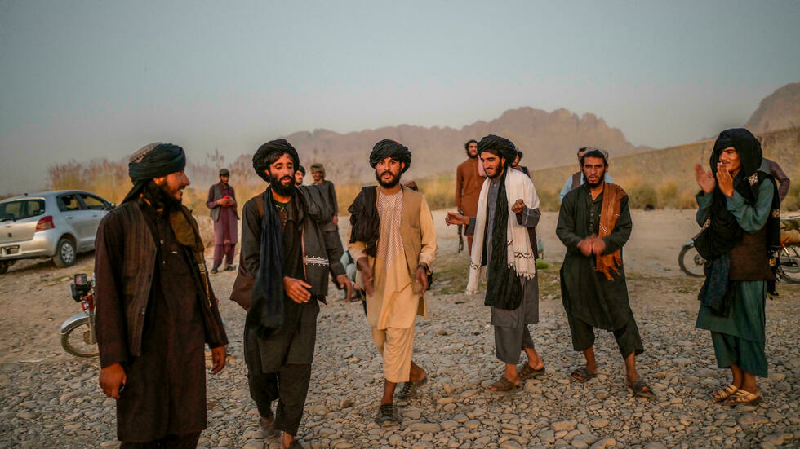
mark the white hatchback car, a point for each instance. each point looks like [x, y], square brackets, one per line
[58, 224]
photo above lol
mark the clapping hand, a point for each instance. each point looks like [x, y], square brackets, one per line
[704, 178]
[724, 179]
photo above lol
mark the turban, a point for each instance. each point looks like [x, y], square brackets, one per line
[389, 148]
[595, 152]
[153, 161]
[318, 168]
[273, 147]
[499, 146]
[746, 145]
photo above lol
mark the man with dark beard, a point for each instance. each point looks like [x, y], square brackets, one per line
[469, 179]
[594, 223]
[508, 212]
[290, 254]
[155, 307]
[393, 241]
[329, 192]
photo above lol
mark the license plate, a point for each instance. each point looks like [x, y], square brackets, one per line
[12, 249]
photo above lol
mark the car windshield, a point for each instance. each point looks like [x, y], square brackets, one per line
[20, 209]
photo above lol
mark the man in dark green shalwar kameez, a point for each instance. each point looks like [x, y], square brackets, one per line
[739, 211]
[594, 223]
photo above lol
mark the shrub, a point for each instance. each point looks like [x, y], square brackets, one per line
[642, 197]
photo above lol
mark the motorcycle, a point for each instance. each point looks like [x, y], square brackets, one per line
[692, 263]
[78, 335]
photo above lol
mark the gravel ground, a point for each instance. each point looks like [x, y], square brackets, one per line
[51, 399]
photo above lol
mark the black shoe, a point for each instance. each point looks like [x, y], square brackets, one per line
[407, 389]
[230, 268]
[387, 416]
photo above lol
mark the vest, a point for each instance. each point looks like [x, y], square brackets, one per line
[576, 181]
[750, 258]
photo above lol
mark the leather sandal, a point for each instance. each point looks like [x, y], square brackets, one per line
[743, 397]
[724, 393]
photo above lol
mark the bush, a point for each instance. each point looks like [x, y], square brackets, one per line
[669, 196]
[642, 197]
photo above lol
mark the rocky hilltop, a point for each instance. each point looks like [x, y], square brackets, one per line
[549, 138]
[780, 110]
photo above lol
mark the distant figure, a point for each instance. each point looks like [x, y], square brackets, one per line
[469, 181]
[772, 167]
[222, 202]
[515, 164]
[318, 173]
[299, 175]
[575, 181]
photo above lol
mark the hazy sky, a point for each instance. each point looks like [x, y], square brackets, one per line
[81, 80]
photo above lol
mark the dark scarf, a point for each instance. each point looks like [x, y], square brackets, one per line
[365, 221]
[722, 232]
[266, 313]
[503, 289]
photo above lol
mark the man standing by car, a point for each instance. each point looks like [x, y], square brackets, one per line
[222, 202]
[155, 307]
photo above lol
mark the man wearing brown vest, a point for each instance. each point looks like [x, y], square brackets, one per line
[739, 210]
[394, 243]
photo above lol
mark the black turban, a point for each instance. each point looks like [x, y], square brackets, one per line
[498, 146]
[153, 161]
[389, 148]
[746, 145]
[279, 146]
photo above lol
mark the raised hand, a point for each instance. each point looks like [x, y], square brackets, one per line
[724, 179]
[704, 178]
[454, 218]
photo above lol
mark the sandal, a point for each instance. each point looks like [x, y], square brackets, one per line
[526, 372]
[407, 389]
[724, 393]
[503, 384]
[638, 387]
[743, 397]
[583, 374]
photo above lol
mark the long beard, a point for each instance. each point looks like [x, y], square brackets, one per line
[395, 180]
[159, 198]
[282, 190]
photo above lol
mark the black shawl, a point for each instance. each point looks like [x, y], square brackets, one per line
[266, 312]
[365, 221]
[503, 288]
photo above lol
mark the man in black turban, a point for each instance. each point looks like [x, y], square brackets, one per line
[155, 307]
[393, 242]
[740, 215]
[285, 260]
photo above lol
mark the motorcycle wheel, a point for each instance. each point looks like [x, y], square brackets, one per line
[77, 340]
[790, 265]
[691, 262]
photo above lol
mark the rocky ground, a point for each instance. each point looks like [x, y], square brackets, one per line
[51, 399]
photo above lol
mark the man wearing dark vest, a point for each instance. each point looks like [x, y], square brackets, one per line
[577, 179]
[289, 252]
[155, 307]
[222, 202]
[739, 210]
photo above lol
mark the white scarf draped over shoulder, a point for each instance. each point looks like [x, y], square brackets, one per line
[518, 242]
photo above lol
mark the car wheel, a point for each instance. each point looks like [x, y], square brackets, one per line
[4, 267]
[65, 253]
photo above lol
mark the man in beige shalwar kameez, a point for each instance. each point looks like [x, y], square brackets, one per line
[394, 243]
